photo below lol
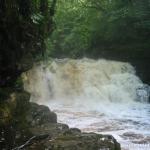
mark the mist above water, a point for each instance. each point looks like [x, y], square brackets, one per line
[101, 80]
[94, 95]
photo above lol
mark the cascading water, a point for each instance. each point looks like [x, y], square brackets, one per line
[94, 95]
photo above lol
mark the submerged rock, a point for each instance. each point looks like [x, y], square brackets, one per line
[143, 93]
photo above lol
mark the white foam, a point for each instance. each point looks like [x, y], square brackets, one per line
[94, 95]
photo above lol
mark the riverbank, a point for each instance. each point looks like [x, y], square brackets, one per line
[26, 125]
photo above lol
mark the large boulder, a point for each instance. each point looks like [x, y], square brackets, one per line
[40, 114]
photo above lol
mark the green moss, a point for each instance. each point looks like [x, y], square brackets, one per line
[5, 114]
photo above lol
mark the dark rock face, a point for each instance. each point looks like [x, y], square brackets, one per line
[139, 58]
[18, 115]
[21, 40]
[21, 36]
[15, 106]
[13, 125]
[141, 66]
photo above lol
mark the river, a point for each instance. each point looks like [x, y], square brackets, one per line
[99, 96]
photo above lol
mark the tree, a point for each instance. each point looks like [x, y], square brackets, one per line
[24, 26]
[89, 27]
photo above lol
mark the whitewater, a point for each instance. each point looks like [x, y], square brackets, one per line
[101, 96]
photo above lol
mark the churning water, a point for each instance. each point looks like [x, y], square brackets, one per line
[96, 96]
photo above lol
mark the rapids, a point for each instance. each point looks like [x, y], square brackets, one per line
[96, 96]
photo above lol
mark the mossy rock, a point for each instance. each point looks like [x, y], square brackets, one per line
[53, 129]
[12, 120]
[82, 141]
[39, 115]
[5, 114]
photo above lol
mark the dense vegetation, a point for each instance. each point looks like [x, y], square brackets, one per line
[89, 27]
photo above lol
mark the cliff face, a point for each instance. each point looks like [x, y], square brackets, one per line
[24, 26]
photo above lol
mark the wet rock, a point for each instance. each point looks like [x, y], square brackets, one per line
[144, 140]
[143, 93]
[40, 114]
[12, 121]
[13, 106]
[132, 136]
[74, 131]
[82, 141]
[60, 137]
[53, 129]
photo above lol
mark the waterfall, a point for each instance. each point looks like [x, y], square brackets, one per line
[96, 96]
[84, 80]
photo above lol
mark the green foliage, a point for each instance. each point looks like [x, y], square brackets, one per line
[72, 35]
[87, 27]
[37, 18]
